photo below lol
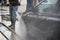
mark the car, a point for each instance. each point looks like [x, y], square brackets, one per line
[45, 26]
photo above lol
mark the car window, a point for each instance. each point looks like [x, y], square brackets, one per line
[48, 6]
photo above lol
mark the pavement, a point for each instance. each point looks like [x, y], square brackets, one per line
[5, 11]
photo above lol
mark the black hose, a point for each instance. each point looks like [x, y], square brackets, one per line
[11, 31]
[4, 35]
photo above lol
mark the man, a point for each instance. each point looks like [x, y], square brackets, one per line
[13, 7]
[28, 6]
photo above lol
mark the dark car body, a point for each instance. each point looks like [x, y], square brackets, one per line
[45, 25]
